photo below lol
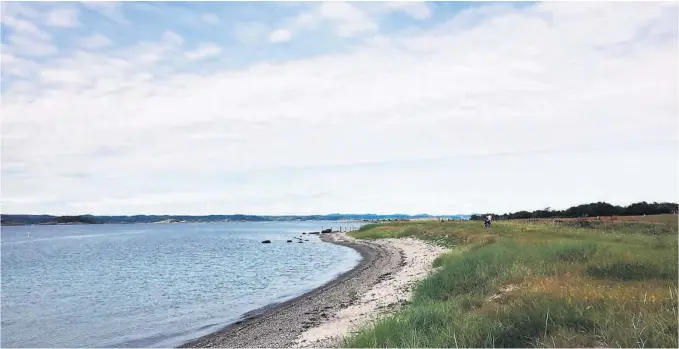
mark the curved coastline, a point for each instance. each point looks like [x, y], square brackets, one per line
[280, 324]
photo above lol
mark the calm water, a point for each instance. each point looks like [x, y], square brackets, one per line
[152, 285]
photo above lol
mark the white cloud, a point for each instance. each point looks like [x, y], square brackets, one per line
[31, 46]
[417, 10]
[354, 19]
[14, 9]
[341, 11]
[23, 86]
[109, 9]
[249, 33]
[15, 66]
[280, 35]
[543, 85]
[61, 76]
[204, 50]
[210, 18]
[66, 17]
[94, 41]
[22, 26]
[348, 19]
[172, 38]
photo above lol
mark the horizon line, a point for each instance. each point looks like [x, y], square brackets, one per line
[238, 214]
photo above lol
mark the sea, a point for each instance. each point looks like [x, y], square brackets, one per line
[154, 285]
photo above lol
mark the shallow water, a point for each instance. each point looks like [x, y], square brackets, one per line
[153, 285]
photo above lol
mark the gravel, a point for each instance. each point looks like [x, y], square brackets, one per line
[278, 326]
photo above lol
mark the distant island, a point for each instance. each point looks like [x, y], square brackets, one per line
[27, 219]
[585, 210]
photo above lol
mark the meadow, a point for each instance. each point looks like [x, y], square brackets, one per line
[537, 284]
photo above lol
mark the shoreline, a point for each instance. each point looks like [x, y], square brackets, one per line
[254, 326]
[321, 317]
[391, 290]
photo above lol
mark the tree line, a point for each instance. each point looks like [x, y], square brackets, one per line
[590, 210]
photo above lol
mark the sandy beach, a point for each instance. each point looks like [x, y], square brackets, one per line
[384, 297]
[321, 317]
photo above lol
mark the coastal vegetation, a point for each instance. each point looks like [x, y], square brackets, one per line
[591, 210]
[74, 220]
[537, 284]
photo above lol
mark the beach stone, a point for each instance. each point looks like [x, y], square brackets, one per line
[289, 241]
[266, 241]
[280, 326]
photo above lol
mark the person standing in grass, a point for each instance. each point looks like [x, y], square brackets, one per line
[487, 221]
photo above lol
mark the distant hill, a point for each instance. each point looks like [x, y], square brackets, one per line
[46, 219]
[75, 220]
[23, 219]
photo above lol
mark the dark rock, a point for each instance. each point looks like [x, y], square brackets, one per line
[384, 276]
[326, 231]
[300, 242]
[314, 233]
[304, 233]
[266, 241]
[289, 241]
[306, 239]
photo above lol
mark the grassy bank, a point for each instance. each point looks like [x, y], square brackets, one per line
[576, 284]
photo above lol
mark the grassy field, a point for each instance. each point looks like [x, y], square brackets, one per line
[663, 219]
[537, 285]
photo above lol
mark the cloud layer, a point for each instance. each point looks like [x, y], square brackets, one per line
[416, 109]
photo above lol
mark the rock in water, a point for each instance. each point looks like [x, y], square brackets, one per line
[289, 241]
[300, 241]
[326, 231]
[266, 241]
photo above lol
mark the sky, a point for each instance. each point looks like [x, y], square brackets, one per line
[314, 108]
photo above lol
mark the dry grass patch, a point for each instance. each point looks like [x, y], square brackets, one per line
[574, 286]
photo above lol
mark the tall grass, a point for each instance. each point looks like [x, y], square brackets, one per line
[570, 287]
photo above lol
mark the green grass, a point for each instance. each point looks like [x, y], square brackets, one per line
[601, 285]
